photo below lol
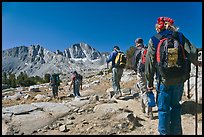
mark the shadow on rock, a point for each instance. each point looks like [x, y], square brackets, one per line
[135, 95]
[126, 98]
[189, 107]
[155, 117]
[135, 120]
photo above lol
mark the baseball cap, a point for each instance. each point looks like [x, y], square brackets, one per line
[139, 40]
[116, 47]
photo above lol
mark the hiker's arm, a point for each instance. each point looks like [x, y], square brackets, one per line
[135, 61]
[50, 83]
[150, 64]
[191, 50]
[71, 85]
[138, 56]
[110, 57]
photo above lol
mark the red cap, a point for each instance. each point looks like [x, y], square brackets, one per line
[162, 20]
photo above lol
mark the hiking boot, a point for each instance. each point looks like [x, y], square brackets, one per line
[111, 94]
[118, 95]
[151, 116]
[77, 98]
[143, 106]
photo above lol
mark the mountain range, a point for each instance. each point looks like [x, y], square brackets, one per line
[37, 61]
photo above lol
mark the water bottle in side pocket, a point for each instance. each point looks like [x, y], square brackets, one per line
[151, 99]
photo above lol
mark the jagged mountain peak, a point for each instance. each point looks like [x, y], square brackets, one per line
[36, 60]
[82, 50]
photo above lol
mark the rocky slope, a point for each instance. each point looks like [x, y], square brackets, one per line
[37, 113]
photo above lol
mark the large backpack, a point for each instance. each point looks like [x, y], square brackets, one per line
[120, 60]
[170, 55]
[143, 56]
[55, 80]
[139, 58]
[143, 60]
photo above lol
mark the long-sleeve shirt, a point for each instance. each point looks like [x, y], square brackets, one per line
[112, 57]
[137, 61]
[150, 65]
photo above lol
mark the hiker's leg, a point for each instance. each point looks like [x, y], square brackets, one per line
[143, 91]
[157, 92]
[117, 80]
[142, 103]
[114, 78]
[145, 102]
[150, 113]
[143, 82]
[175, 126]
[164, 97]
[77, 86]
[74, 90]
[181, 89]
[53, 91]
[138, 83]
[120, 73]
[77, 92]
[56, 91]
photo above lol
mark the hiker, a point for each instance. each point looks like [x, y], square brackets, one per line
[171, 71]
[138, 65]
[117, 72]
[77, 83]
[54, 83]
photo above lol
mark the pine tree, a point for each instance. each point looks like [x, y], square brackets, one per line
[12, 80]
[47, 78]
[129, 54]
[4, 78]
[21, 79]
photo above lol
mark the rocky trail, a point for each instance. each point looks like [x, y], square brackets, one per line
[37, 113]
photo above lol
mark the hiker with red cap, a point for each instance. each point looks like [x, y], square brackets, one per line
[169, 55]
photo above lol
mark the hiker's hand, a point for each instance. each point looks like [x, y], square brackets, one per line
[200, 63]
[149, 88]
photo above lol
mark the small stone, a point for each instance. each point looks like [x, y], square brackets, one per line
[63, 128]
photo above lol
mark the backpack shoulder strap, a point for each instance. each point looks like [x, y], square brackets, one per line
[156, 40]
[142, 51]
[119, 52]
[180, 38]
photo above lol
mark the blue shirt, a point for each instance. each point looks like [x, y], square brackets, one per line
[112, 57]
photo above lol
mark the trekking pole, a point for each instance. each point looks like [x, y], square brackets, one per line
[188, 85]
[196, 95]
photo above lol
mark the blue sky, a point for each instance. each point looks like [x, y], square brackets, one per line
[102, 25]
